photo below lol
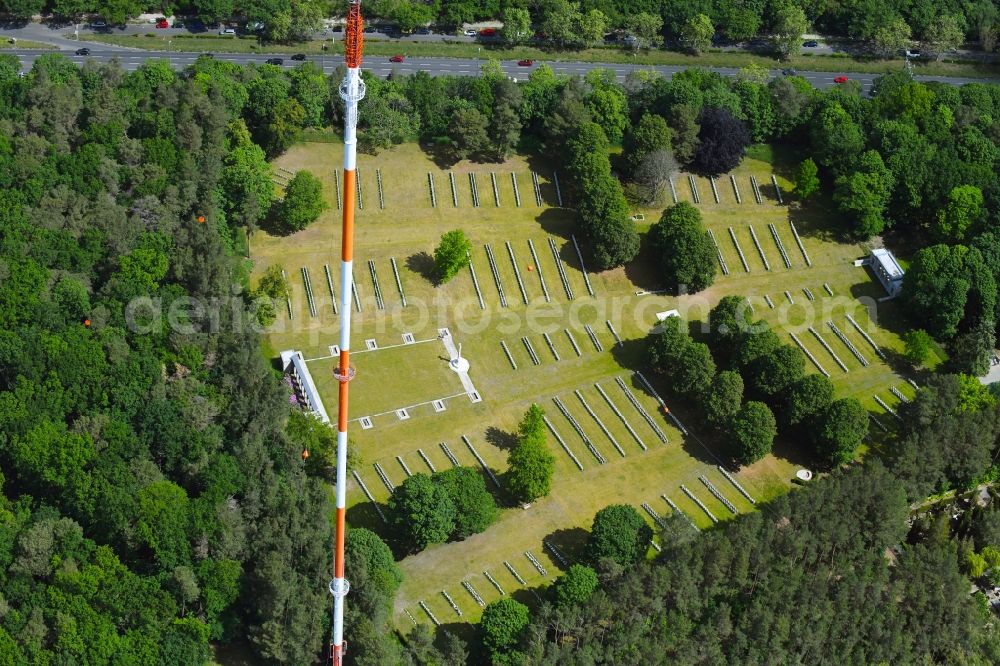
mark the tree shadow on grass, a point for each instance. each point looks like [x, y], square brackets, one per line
[570, 542]
[557, 222]
[631, 353]
[501, 438]
[365, 515]
[441, 154]
[464, 630]
[641, 271]
[422, 264]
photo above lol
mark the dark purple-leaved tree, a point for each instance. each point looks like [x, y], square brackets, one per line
[723, 141]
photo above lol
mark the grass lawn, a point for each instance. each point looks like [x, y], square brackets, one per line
[414, 48]
[25, 44]
[408, 228]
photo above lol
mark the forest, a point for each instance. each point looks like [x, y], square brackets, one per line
[154, 497]
[883, 27]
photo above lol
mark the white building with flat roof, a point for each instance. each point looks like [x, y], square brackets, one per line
[294, 364]
[887, 270]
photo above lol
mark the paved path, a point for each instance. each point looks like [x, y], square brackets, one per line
[449, 344]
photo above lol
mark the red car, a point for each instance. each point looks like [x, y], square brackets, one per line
[488, 32]
[397, 58]
[527, 62]
[162, 23]
[840, 79]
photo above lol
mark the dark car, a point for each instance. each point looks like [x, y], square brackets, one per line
[275, 61]
[370, 29]
[207, 55]
[789, 72]
[423, 31]
[195, 26]
[84, 51]
[299, 56]
[811, 44]
[397, 58]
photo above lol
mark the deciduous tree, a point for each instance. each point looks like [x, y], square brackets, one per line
[918, 346]
[696, 35]
[841, 429]
[724, 398]
[451, 255]
[789, 25]
[475, 508]
[753, 431]
[683, 249]
[421, 512]
[516, 25]
[960, 215]
[303, 202]
[618, 533]
[722, 141]
[649, 135]
[646, 28]
[502, 623]
[575, 586]
[806, 398]
[807, 179]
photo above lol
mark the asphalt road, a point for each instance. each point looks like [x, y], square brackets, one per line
[380, 66]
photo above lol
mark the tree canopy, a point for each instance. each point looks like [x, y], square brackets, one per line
[620, 533]
[684, 252]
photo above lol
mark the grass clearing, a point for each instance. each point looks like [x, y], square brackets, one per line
[446, 49]
[8, 45]
[409, 228]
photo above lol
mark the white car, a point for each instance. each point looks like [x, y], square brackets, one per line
[227, 31]
[471, 33]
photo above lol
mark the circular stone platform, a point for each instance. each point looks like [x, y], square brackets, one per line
[459, 364]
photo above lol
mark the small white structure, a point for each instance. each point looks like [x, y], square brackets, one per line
[662, 316]
[293, 363]
[887, 270]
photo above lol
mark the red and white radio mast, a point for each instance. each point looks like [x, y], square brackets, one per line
[352, 90]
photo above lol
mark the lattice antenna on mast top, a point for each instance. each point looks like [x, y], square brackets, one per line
[355, 37]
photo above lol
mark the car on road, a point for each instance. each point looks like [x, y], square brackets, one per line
[397, 58]
[162, 23]
[471, 33]
[789, 72]
[527, 62]
[195, 26]
[299, 56]
[810, 44]
[83, 52]
[423, 31]
[840, 79]
[227, 31]
[206, 55]
[98, 24]
[488, 32]
[910, 53]
[275, 61]
[370, 29]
